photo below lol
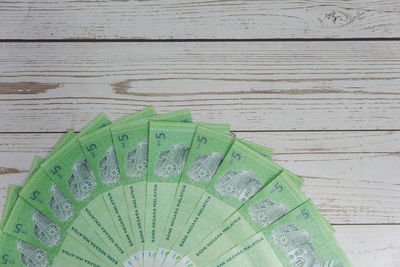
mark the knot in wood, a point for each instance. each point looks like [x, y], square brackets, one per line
[336, 18]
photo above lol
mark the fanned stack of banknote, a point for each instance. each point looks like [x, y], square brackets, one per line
[159, 190]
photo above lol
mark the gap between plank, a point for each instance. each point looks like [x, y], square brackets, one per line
[208, 40]
[244, 131]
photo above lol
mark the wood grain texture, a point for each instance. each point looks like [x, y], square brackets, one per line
[370, 245]
[351, 176]
[251, 85]
[330, 109]
[177, 19]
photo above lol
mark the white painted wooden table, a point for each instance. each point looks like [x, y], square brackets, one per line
[317, 80]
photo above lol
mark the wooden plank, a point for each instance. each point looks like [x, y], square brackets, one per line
[251, 85]
[370, 245]
[177, 19]
[351, 176]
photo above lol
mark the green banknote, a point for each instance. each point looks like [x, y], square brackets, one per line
[131, 146]
[18, 252]
[38, 160]
[272, 202]
[64, 140]
[42, 193]
[207, 151]
[69, 168]
[38, 187]
[12, 253]
[242, 174]
[301, 238]
[169, 145]
[159, 190]
[27, 224]
[62, 187]
[15, 252]
[99, 151]
[12, 249]
[263, 150]
[11, 198]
